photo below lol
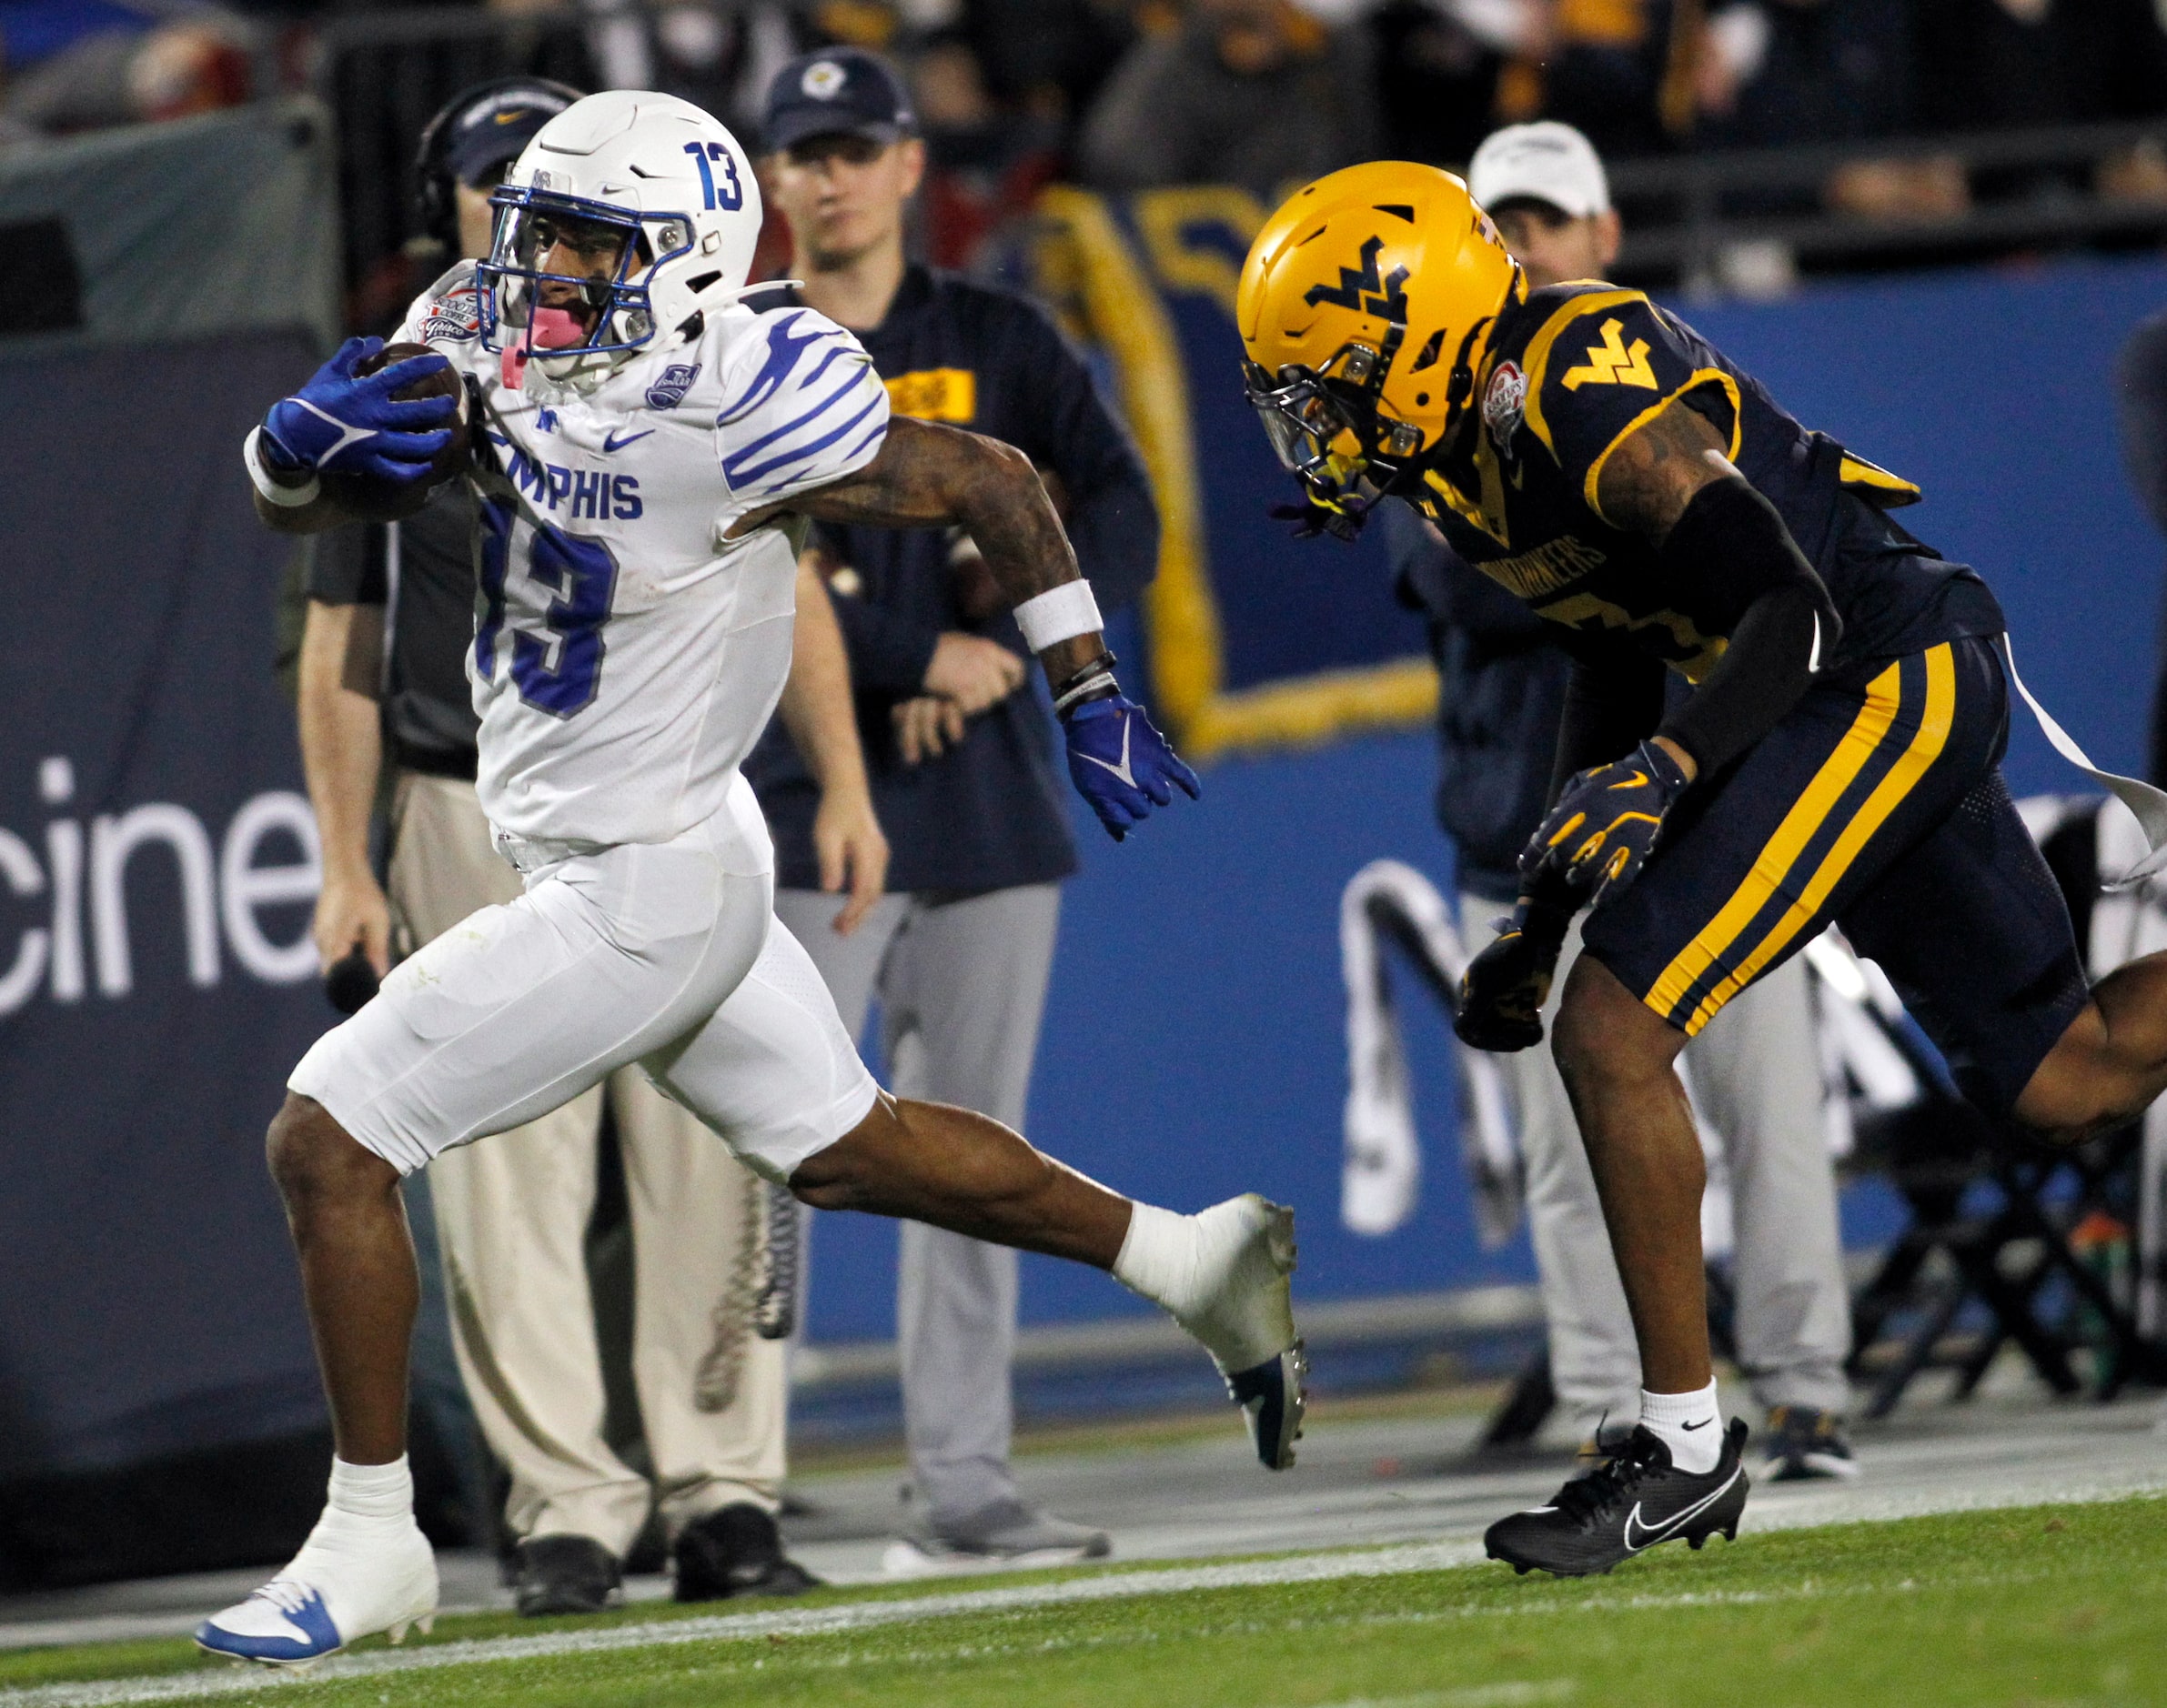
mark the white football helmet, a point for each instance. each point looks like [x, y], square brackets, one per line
[670, 184]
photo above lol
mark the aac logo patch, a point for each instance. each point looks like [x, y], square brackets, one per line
[1504, 402]
[455, 316]
[670, 390]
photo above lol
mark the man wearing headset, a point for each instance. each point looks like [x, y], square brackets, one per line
[383, 684]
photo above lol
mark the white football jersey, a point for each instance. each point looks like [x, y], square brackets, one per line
[626, 656]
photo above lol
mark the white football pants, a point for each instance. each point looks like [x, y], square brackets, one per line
[511, 1215]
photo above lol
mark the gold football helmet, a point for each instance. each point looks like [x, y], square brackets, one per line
[1362, 306]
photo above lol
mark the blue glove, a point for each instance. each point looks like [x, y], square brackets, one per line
[1605, 825]
[357, 424]
[1121, 765]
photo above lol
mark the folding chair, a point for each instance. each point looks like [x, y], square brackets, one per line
[1999, 1250]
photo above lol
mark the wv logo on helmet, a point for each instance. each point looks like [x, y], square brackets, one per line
[1366, 291]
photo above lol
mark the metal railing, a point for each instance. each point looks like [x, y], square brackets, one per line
[383, 72]
[1683, 213]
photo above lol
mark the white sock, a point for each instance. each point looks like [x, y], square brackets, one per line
[1687, 1424]
[1158, 1258]
[373, 1494]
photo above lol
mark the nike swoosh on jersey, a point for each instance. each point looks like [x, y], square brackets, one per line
[1649, 1538]
[1120, 770]
[1813, 658]
[610, 442]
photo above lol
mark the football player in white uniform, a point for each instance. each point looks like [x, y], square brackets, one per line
[642, 445]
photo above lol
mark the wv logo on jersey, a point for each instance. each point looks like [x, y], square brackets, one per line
[1366, 291]
[1610, 363]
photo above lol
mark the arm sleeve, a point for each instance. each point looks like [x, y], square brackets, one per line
[801, 409]
[1112, 521]
[1613, 702]
[1603, 364]
[1769, 664]
[1731, 544]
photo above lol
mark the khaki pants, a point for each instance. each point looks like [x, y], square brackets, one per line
[511, 1214]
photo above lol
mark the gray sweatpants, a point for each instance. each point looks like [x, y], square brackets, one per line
[962, 986]
[1758, 1079]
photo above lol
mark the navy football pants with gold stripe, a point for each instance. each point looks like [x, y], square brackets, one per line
[1878, 804]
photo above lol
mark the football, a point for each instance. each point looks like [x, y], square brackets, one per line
[377, 500]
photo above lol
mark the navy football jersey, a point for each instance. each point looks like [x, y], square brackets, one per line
[1570, 372]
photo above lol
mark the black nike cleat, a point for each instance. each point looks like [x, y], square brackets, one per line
[1635, 1500]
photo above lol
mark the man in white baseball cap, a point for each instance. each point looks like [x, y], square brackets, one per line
[1544, 186]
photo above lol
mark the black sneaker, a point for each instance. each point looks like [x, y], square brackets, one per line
[1803, 1442]
[735, 1549]
[1636, 1500]
[564, 1573]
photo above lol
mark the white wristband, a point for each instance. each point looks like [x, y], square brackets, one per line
[285, 497]
[1059, 614]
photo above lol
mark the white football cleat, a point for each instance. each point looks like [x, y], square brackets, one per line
[1245, 1317]
[353, 1578]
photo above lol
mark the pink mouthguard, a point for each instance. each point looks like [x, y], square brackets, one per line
[553, 329]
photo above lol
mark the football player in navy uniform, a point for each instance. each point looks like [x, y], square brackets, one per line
[1837, 759]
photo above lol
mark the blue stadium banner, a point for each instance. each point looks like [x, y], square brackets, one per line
[158, 864]
[1257, 639]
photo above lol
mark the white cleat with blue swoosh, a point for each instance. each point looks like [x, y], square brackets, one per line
[1245, 1318]
[351, 1579]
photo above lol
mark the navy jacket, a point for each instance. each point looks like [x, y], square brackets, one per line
[1501, 691]
[991, 812]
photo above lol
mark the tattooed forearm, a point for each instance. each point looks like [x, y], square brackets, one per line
[1656, 470]
[928, 475]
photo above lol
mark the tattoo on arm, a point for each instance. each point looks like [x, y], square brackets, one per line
[930, 475]
[1656, 470]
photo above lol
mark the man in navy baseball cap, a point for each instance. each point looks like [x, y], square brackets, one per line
[961, 756]
[466, 147]
[837, 92]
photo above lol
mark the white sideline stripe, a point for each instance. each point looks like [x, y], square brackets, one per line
[808, 1622]
[803, 1621]
[1507, 1695]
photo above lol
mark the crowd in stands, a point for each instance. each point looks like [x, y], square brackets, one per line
[1129, 94]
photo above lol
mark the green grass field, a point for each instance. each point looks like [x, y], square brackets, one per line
[2039, 1605]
